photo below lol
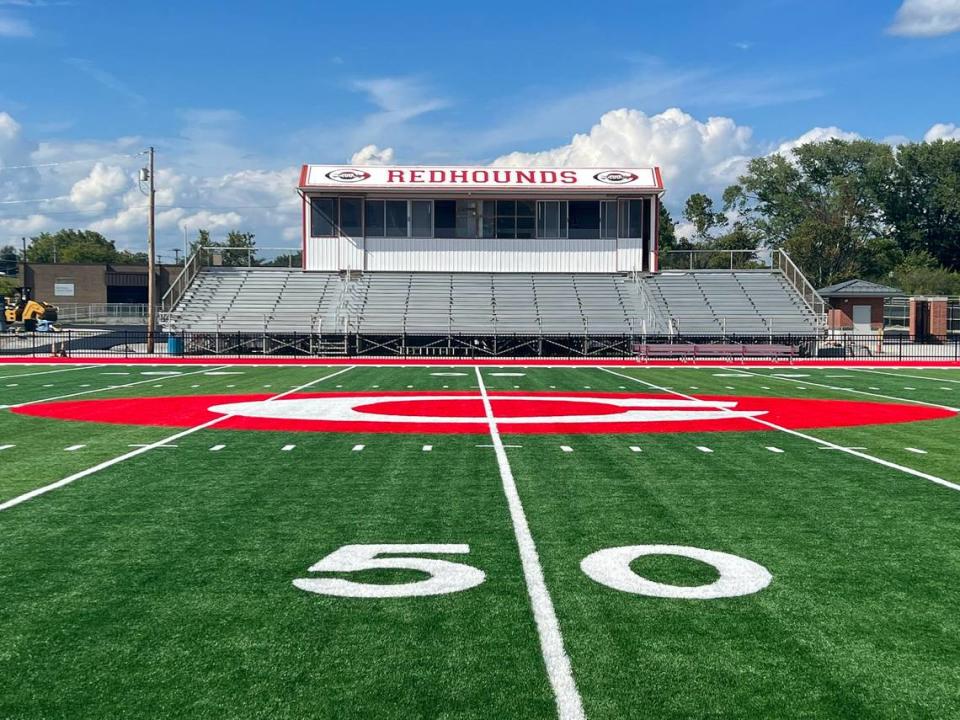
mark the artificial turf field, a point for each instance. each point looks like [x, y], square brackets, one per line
[161, 584]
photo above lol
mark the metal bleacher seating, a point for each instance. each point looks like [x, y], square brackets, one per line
[752, 302]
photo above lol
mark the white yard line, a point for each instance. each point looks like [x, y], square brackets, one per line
[95, 390]
[569, 704]
[858, 392]
[899, 375]
[823, 443]
[146, 448]
[48, 372]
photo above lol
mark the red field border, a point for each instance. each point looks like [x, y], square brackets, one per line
[468, 362]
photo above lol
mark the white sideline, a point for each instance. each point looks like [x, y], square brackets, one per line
[826, 444]
[146, 448]
[559, 671]
[912, 377]
[858, 392]
[95, 390]
[48, 372]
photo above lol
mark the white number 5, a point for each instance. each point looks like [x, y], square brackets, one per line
[445, 576]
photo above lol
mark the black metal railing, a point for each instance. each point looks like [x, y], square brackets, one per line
[132, 343]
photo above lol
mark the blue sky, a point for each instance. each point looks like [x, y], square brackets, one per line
[256, 88]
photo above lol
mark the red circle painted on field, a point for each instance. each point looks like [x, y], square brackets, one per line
[464, 412]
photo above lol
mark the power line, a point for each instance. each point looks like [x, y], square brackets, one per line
[34, 200]
[62, 162]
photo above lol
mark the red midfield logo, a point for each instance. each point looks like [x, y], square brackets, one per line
[615, 177]
[348, 175]
[464, 412]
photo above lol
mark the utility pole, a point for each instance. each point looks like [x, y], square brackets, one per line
[151, 254]
[176, 256]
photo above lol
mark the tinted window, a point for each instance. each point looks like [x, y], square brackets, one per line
[636, 219]
[468, 218]
[323, 217]
[396, 212]
[608, 219]
[351, 217]
[631, 218]
[552, 219]
[584, 218]
[445, 218]
[489, 218]
[421, 216]
[374, 218]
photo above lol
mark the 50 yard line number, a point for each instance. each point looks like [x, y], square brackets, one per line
[609, 567]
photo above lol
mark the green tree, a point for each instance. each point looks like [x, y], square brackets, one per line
[8, 260]
[922, 203]
[243, 249]
[71, 246]
[920, 274]
[824, 205]
[699, 212]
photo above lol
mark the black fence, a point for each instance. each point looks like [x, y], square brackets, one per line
[127, 343]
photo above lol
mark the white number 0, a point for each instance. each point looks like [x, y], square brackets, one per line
[445, 576]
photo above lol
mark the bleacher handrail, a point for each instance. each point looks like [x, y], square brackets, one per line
[811, 298]
[180, 284]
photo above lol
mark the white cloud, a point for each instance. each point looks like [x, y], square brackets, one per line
[238, 190]
[817, 134]
[926, 18]
[942, 131]
[693, 154]
[372, 155]
[14, 27]
[103, 182]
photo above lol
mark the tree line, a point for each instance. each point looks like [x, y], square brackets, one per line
[842, 209]
[87, 246]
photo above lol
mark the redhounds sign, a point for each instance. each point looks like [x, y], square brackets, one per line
[316, 177]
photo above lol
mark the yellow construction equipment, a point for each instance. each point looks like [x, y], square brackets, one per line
[22, 309]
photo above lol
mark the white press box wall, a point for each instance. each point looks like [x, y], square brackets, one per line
[424, 254]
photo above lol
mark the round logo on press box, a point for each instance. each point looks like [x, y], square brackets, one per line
[348, 175]
[615, 177]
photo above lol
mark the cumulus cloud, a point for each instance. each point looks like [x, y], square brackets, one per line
[93, 184]
[817, 134]
[926, 18]
[103, 182]
[942, 131]
[694, 154]
[372, 155]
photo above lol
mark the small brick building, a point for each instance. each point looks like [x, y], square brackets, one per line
[64, 283]
[856, 305]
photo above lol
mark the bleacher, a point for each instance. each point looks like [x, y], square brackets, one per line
[710, 302]
[746, 302]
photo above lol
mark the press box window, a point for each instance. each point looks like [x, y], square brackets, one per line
[336, 216]
[323, 217]
[551, 219]
[631, 218]
[421, 218]
[351, 217]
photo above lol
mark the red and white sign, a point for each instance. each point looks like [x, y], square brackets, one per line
[463, 412]
[346, 177]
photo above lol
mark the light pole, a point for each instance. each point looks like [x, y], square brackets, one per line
[147, 174]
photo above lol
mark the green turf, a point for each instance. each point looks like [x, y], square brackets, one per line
[162, 586]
